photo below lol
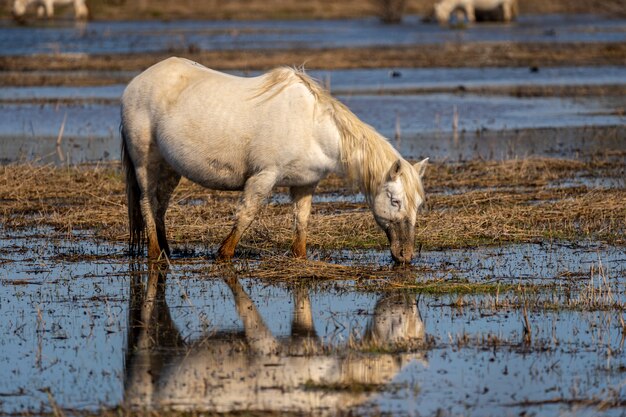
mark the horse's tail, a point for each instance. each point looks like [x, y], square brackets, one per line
[135, 219]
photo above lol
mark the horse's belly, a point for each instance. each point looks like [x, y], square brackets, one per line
[210, 171]
[487, 4]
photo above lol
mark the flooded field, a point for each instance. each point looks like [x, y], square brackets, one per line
[136, 37]
[515, 304]
[414, 107]
[86, 331]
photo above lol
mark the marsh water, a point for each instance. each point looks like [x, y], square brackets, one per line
[84, 328]
[155, 36]
[99, 333]
[397, 102]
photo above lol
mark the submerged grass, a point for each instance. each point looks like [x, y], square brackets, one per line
[468, 204]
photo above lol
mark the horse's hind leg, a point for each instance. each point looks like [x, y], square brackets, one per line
[507, 12]
[147, 169]
[49, 8]
[167, 182]
[470, 13]
[257, 188]
[147, 180]
[302, 198]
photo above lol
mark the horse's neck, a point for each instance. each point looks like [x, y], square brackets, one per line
[367, 163]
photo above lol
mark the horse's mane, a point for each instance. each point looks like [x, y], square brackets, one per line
[377, 154]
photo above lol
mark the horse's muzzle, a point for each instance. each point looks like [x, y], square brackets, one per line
[403, 255]
[401, 239]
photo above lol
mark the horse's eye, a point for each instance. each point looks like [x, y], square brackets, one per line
[395, 203]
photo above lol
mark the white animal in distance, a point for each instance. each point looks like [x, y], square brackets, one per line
[45, 8]
[444, 8]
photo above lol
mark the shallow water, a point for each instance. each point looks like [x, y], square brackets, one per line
[412, 112]
[490, 127]
[153, 36]
[356, 81]
[82, 326]
[526, 263]
[397, 80]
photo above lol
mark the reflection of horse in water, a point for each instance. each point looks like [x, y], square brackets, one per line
[253, 370]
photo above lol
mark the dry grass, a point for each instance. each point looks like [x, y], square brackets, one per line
[311, 9]
[240, 9]
[497, 202]
[284, 268]
[449, 55]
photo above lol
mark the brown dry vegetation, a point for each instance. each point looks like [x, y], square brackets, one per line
[447, 55]
[468, 204]
[310, 9]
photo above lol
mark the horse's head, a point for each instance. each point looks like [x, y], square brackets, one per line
[395, 206]
[19, 8]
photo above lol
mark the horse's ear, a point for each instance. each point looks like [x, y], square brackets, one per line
[420, 167]
[394, 171]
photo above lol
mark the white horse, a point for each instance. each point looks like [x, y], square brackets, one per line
[45, 8]
[231, 133]
[444, 8]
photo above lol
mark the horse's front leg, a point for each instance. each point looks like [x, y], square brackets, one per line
[302, 198]
[257, 188]
[49, 8]
[470, 13]
[80, 9]
[507, 10]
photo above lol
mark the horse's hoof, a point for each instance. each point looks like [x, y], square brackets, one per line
[223, 258]
[299, 255]
[156, 255]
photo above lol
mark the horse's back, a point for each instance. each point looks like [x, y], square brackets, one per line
[490, 4]
[164, 81]
[217, 129]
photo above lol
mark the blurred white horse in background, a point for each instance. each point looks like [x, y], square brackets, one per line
[45, 8]
[444, 8]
